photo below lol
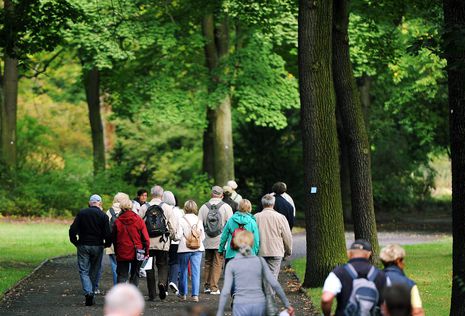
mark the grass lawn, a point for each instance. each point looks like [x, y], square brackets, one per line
[24, 245]
[429, 265]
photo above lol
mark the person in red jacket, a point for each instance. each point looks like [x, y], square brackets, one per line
[129, 234]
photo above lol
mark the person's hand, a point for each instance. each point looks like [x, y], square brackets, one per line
[290, 311]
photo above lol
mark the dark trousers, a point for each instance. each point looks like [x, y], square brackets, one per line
[160, 259]
[89, 259]
[173, 263]
[122, 268]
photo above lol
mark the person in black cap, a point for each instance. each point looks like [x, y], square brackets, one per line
[339, 283]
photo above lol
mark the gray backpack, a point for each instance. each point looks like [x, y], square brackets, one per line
[214, 223]
[364, 297]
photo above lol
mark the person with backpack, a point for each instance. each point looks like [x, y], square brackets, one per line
[190, 234]
[227, 192]
[131, 242]
[214, 214]
[90, 233]
[161, 223]
[241, 220]
[392, 256]
[346, 282]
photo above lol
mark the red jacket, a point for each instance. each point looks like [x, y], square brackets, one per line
[129, 225]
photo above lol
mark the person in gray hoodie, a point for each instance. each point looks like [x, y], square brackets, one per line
[241, 220]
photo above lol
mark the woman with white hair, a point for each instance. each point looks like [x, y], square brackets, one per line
[236, 197]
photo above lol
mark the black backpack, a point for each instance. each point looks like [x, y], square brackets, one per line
[112, 218]
[155, 221]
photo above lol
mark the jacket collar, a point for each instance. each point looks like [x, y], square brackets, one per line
[359, 260]
[268, 209]
[395, 269]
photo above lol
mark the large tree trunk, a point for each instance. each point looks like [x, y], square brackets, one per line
[92, 87]
[355, 135]
[323, 209]
[9, 111]
[364, 86]
[345, 171]
[454, 18]
[218, 156]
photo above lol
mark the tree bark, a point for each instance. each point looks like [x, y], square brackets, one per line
[364, 87]
[345, 171]
[323, 209]
[8, 114]
[355, 135]
[454, 18]
[218, 156]
[92, 87]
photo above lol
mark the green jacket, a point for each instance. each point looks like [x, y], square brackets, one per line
[246, 219]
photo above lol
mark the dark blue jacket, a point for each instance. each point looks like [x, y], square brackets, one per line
[284, 207]
[397, 276]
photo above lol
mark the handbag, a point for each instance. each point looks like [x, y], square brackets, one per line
[140, 253]
[270, 308]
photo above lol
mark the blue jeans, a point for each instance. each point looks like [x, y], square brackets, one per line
[195, 258]
[89, 259]
[113, 268]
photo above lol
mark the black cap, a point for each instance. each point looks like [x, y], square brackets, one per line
[361, 244]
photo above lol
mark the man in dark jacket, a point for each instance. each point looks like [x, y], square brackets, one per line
[92, 227]
[281, 205]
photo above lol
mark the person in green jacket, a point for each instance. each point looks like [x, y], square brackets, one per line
[241, 219]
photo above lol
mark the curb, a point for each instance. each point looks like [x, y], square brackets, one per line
[12, 289]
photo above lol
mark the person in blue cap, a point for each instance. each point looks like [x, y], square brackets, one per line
[90, 233]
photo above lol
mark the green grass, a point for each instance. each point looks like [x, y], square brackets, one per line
[429, 265]
[23, 246]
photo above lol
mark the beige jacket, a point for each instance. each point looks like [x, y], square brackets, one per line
[225, 211]
[110, 250]
[275, 234]
[157, 243]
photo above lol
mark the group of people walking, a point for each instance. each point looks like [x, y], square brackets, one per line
[141, 235]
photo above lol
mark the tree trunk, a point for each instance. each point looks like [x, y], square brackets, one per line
[364, 87]
[454, 18]
[345, 171]
[323, 209]
[8, 111]
[218, 157]
[92, 87]
[355, 135]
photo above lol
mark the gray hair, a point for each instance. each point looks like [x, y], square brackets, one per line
[157, 191]
[124, 299]
[268, 200]
[168, 198]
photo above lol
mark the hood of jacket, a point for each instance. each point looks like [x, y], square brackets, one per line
[128, 217]
[243, 218]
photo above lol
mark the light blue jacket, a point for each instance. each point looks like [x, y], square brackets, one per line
[239, 218]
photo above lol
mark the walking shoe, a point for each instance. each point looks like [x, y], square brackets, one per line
[207, 290]
[173, 288]
[97, 292]
[217, 292]
[182, 297]
[161, 291]
[195, 299]
[90, 300]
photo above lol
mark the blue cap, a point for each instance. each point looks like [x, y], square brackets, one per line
[95, 198]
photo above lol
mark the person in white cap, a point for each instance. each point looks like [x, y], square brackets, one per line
[92, 227]
[236, 197]
[124, 300]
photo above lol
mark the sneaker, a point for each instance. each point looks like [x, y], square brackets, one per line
[97, 292]
[90, 300]
[195, 299]
[217, 292]
[182, 297]
[173, 288]
[161, 291]
[207, 290]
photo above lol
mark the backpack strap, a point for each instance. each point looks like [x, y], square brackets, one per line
[208, 205]
[372, 274]
[351, 270]
[112, 212]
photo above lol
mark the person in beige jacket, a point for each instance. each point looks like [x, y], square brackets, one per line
[160, 246]
[213, 259]
[275, 235]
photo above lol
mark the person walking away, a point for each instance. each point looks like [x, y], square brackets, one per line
[124, 300]
[393, 258]
[246, 273]
[346, 281]
[90, 233]
[214, 214]
[131, 243]
[241, 220]
[275, 235]
[397, 301]
[227, 192]
[282, 206]
[285, 195]
[190, 234]
[139, 200]
[235, 196]
[161, 225]
[173, 273]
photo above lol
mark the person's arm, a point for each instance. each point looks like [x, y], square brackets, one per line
[145, 237]
[180, 230]
[287, 238]
[326, 302]
[274, 283]
[226, 290]
[224, 238]
[256, 238]
[417, 306]
[74, 231]
[331, 288]
[106, 231]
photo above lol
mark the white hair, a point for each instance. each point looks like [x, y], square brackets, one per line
[391, 253]
[168, 198]
[124, 299]
[157, 191]
[268, 200]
